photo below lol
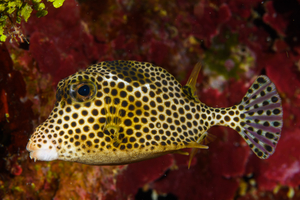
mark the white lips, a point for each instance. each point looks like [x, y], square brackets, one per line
[44, 153]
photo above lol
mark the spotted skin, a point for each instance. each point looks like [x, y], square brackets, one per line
[120, 112]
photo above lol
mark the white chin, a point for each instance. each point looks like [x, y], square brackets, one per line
[44, 154]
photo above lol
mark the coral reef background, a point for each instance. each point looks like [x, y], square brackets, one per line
[237, 40]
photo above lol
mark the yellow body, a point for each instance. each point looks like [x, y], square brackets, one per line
[125, 111]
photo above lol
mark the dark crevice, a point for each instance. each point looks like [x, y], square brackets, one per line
[147, 195]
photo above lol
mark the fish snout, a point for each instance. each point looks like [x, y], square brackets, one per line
[40, 151]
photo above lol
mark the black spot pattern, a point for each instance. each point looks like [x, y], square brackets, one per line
[139, 107]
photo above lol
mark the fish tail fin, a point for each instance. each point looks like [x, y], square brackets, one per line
[258, 118]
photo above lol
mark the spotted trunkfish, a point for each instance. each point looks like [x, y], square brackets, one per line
[119, 112]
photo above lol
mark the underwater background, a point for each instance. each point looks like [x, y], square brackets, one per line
[237, 41]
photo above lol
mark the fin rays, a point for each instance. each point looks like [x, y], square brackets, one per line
[263, 127]
[265, 117]
[256, 92]
[268, 107]
[260, 137]
[261, 148]
[261, 117]
[259, 100]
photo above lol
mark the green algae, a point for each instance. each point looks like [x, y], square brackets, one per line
[232, 57]
[12, 12]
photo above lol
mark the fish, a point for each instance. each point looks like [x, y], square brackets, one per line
[121, 112]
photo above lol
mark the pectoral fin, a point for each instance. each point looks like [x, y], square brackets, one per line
[113, 119]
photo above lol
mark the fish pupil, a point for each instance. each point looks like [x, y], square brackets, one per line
[84, 90]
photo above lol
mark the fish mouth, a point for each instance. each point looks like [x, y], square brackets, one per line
[44, 153]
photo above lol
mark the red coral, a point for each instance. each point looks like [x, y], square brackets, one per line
[274, 19]
[242, 9]
[232, 154]
[283, 72]
[16, 170]
[158, 52]
[287, 172]
[280, 46]
[138, 174]
[15, 117]
[197, 182]
[45, 53]
[207, 20]
[16, 113]
[61, 45]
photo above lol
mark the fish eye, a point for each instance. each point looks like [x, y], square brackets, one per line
[82, 92]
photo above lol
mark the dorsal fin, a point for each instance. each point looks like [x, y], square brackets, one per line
[190, 87]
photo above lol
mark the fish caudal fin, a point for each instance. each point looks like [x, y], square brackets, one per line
[260, 117]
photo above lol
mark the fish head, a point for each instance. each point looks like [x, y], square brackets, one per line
[69, 131]
[109, 114]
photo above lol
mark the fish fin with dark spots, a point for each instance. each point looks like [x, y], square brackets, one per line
[261, 117]
[203, 140]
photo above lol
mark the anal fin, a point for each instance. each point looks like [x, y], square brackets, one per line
[181, 152]
[203, 140]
